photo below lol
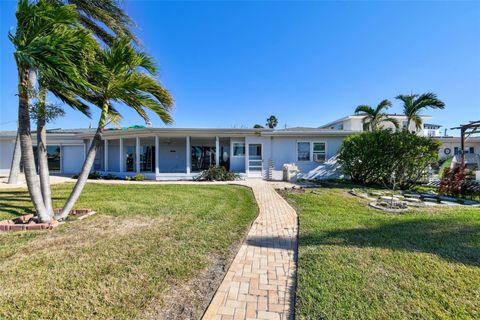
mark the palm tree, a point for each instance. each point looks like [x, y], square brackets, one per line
[125, 76]
[374, 117]
[272, 122]
[413, 104]
[47, 39]
[96, 16]
[91, 14]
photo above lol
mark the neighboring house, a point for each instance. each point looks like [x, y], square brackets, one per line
[355, 122]
[178, 154]
[431, 130]
[451, 146]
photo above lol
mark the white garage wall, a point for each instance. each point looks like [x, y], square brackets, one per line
[72, 159]
[6, 153]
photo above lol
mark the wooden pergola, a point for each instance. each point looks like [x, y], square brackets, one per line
[466, 130]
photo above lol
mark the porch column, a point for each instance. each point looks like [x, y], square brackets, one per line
[137, 154]
[217, 151]
[189, 157]
[121, 169]
[85, 149]
[105, 149]
[157, 155]
[246, 157]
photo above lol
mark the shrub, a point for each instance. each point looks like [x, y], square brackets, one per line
[217, 174]
[372, 157]
[453, 181]
[138, 177]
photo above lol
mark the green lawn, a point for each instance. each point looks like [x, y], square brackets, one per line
[151, 250]
[359, 263]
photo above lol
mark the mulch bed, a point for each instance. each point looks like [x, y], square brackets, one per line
[29, 222]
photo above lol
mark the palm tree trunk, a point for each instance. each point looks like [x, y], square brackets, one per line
[26, 146]
[87, 166]
[43, 171]
[17, 153]
[15, 165]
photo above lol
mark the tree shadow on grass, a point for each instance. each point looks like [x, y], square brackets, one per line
[447, 239]
[452, 241]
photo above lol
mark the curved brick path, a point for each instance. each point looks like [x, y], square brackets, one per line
[260, 283]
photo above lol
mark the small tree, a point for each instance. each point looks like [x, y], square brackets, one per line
[272, 122]
[258, 126]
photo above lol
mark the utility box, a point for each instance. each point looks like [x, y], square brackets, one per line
[290, 171]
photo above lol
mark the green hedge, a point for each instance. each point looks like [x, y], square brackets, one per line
[372, 157]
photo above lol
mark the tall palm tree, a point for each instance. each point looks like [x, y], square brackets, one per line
[92, 14]
[100, 17]
[272, 122]
[374, 117]
[47, 39]
[125, 76]
[413, 104]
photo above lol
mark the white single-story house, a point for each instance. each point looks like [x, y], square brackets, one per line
[181, 154]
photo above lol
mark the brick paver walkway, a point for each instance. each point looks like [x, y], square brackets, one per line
[260, 283]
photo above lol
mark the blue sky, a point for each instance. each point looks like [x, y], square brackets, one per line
[236, 63]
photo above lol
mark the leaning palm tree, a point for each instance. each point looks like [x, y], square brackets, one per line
[102, 18]
[374, 117]
[125, 76]
[47, 39]
[413, 104]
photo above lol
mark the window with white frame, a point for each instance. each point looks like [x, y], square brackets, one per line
[319, 152]
[303, 151]
[238, 149]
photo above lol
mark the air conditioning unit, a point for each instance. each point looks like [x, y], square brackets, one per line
[318, 157]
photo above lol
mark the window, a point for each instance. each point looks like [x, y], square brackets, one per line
[456, 150]
[303, 151]
[202, 158]
[404, 125]
[147, 158]
[238, 149]
[53, 157]
[471, 150]
[130, 158]
[319, 152]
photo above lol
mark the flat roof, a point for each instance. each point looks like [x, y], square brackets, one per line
[88, 133]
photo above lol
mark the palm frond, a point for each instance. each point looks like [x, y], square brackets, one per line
[108, 13]
[393, 121]
[384, 104]
[418, 121]
[366, 109]
[429, 100]
[49, 39]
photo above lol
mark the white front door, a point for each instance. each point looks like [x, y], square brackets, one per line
[255, 161]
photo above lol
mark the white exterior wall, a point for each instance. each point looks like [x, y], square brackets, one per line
[72, 159]
[6, 154]
[172, 155]
[114, 155]
[353, 124]
[284, 151]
